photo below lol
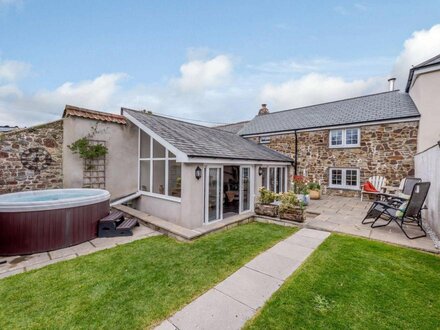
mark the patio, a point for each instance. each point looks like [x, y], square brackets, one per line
[344, 215]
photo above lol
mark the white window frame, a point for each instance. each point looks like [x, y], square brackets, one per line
[344, 138]
[344, 178]
[151, 159]
[266, 184]
[264, 139]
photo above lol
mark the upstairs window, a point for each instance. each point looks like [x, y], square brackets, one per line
[345, 138]
[264, 139]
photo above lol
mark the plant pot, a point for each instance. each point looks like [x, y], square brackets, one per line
[268, 210]
[305, 199]
[315, 194]
[296, 214]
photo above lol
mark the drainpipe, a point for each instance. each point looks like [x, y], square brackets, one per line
[296, 154]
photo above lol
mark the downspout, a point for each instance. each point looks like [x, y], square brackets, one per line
[296, 154]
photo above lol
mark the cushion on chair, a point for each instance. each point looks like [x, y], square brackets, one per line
[368, 187]
[401, 210]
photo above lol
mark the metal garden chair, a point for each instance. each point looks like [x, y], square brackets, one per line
[411, 215]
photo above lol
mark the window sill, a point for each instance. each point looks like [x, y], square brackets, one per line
[344, 188]
[159, 196]
[345, 147]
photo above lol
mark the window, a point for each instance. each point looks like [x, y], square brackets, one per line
[159, 172]
[345, 138]
[345, 178]
[264, 139]
[274, 178]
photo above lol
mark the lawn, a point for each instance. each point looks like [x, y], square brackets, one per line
[354, 283]
[131, 286]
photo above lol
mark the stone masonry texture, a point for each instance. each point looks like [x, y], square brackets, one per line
[387, 150]
[31, 158]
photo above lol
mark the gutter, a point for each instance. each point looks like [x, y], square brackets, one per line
[125, 199]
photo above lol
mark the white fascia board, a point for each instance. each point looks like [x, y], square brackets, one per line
[180, 155]
[421, 71]
[200, 160]
[371, 123]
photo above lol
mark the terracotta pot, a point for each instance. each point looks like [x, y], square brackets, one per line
[296, 214]
[315, 194]
[266, 209]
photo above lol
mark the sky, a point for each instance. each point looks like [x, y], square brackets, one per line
[211, 61]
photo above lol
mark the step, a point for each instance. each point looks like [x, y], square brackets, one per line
[127, 224]
[113, 216]
[163, 225]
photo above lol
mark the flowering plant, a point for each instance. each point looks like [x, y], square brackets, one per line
[300, 185]
[267, 196]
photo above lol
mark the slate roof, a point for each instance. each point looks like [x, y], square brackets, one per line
[72, 111]
[208, 142]
[431, 62]
[234, 127]
[363, 109]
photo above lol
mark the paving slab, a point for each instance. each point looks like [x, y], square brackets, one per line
[214, 311]
[76, 249]
[166, 325]
[313, 233]
[274, 265]
[12, 272]
[294, 252]
[305, 241]
[249, 287]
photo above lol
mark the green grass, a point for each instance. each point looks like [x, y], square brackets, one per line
[131, 286]
[353, 283]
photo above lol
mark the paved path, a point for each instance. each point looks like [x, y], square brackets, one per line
[235, 300]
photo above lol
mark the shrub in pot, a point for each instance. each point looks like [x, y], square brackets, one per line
[301, 189]
[264, 204]
[291, 208]
[315, 190]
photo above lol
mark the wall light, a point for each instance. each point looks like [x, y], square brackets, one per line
[260, 171]
[198, 173]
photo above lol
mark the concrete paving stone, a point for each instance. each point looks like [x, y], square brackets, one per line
[322, 225]
[50, 262]
[214, 311]
[104, 243]
[313, 233]
[308, 242]
[274, 265]
[356, 230]
[249, 287]
[166, 325]
[11, 272]
[294, 252]
[76, 249]
[29, 260]
[142, 230]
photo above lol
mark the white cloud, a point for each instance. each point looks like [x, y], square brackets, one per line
[316, 88]
[197, 75]
[96, 93]
[13, 70]
[210, 87]
[421, 46]
[18, 108]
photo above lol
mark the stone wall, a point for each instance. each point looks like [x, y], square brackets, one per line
[387, 150]
[31, 158]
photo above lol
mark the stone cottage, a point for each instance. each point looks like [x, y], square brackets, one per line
[341, 144]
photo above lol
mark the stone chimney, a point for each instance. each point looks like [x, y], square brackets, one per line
[391, 81]
[264, 110]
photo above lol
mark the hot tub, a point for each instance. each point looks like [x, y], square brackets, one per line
[39, 221]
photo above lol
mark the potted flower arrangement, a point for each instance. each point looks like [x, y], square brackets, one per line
[315, 190]
[265, 204]
[291, 208]
[301, 189]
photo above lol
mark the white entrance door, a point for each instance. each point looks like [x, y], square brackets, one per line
[214, 193]
[245, 188]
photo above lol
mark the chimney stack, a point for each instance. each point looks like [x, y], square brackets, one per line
[391, 81]
[264, 110]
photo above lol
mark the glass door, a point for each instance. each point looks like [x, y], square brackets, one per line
[245, 188]
[213, 193]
